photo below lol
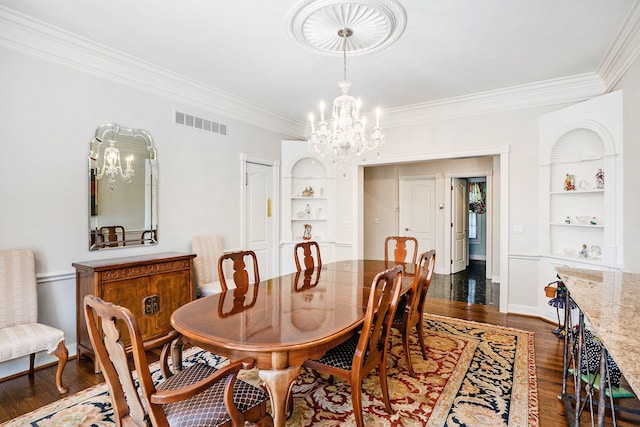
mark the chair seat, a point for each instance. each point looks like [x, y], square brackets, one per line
[399, 314]
[210, 288]
[207, 408]
[341, 356]
[27, 338]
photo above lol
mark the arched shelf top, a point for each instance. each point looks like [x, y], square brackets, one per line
[582, 141]
[309, 167]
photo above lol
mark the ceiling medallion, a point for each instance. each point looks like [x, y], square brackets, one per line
[376, 24]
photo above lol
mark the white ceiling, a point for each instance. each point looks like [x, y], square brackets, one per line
[449, 48]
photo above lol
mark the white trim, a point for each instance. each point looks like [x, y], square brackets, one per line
[502, 152]
[623, 51]
[26, 34]
[55, 277]
[549, 92]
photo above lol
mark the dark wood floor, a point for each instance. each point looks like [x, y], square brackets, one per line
[21, 395]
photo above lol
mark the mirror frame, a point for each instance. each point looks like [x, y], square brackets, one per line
[102, 135]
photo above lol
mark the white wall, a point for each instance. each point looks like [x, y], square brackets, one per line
[381, 199]
[461, 138]
[630, 83]
[49, 115]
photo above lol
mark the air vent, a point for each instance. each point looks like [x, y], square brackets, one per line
[195, 122]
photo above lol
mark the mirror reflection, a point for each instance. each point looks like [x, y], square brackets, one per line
[123, 188]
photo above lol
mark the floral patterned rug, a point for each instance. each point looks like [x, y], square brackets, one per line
[476, 375]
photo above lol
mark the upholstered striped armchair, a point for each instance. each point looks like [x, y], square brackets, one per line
[208, 249]
[20, 332]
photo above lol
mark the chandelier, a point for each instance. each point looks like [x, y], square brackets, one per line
[345, 139]
[111, 167]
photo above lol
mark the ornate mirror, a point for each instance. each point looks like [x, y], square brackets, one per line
[123, 177]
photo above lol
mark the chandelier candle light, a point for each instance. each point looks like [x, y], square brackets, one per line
[111, 166]
[345, 138]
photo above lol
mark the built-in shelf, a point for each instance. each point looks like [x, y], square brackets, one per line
[307, 198]
[577, 192]
[562, 224]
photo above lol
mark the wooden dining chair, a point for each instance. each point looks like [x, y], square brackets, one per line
[400, 251]
[150, 236]
[239, 298]
[306, 279]
[309, 249]
[198, 395]
[113, 236]
[410, 309]
[356, 357]
[240, 273]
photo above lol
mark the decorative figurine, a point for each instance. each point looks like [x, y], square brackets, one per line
[308, 210]
[600, 179]
[308, 192]
[593, 221]
[584, 253]
[567, 220]
[568, 183]
[307, 232]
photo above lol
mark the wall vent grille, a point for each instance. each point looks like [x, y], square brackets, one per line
[195, 122]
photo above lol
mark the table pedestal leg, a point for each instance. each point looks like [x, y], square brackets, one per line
[278, 382]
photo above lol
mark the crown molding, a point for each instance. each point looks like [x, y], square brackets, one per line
[549, 92]
[623, 51]
[23, 33]
[31, 36]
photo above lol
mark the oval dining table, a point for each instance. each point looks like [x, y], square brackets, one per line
[283, 321]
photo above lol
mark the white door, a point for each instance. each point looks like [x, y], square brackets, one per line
[417, 210]
[259, 215]
[459, 225]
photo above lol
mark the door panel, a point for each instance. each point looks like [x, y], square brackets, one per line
[259, 193]
[459, 225]
[417, 210]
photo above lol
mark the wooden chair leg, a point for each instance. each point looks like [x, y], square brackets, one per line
[382, 369]
[62, 354]
[32, 361]
[356, 401]
[407, 355]
[420, 330]
[289, 409]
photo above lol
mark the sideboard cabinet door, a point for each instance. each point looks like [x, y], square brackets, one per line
[151, 286]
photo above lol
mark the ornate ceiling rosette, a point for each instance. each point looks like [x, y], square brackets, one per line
[376, 24]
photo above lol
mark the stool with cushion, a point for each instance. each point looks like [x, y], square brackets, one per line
[20, 332]
[198, 395]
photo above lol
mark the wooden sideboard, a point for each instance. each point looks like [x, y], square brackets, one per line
[151, 286]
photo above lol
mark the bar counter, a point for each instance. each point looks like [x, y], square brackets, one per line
[610, 302]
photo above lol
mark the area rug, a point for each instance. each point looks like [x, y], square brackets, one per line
[476, 375]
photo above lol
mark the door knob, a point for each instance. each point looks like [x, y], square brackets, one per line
[406, 229]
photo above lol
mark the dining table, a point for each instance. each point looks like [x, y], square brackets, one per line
[282, 321]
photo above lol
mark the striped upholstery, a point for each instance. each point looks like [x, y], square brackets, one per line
[20, 334]
[208, 249]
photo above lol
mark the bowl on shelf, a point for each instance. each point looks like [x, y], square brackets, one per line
[583, 219]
